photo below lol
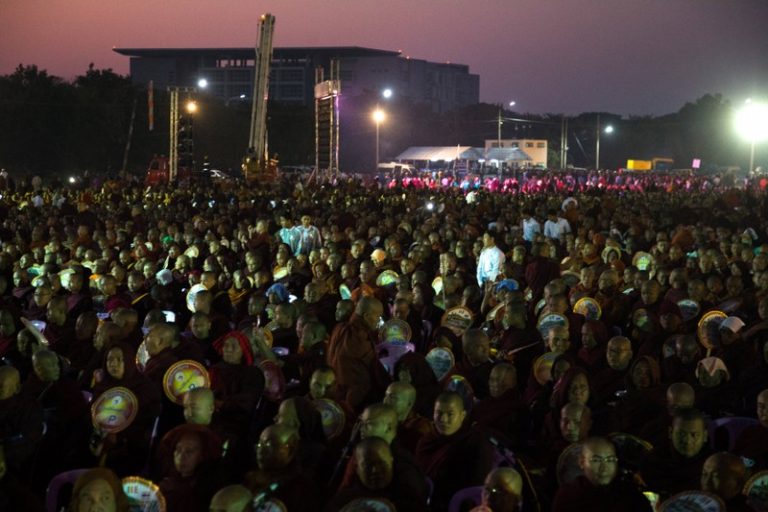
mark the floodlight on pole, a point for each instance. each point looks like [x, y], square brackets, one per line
[608, 130]
[202, 83]
[751, 123]
[386, 93]
[378, 117]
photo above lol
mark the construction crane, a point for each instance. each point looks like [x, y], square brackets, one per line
[256, 164]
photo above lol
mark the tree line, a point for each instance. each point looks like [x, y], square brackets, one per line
[53, 126]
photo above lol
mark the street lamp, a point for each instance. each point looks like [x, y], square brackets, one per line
[191, 107]
[386, 93]
[752, 124]
[500, 122]
[608, 130]
[378, 117]
[202, 83]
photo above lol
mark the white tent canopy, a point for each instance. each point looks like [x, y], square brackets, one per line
[436, 153]
[449, 153]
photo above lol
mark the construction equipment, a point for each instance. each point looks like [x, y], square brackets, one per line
[257, 165]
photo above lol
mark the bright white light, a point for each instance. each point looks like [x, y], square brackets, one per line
[512, 103]
[387, 93]
[72, 179]
[242, 96]
[379, 116]
[191, 107]
[430, 205]
[752, 121]
[202, 83]
[609, 129]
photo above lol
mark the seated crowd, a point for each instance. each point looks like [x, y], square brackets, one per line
[606, 335]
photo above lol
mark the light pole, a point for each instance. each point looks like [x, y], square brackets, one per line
[378, 117]
[752, 124]
[500, 122]
[608, 129]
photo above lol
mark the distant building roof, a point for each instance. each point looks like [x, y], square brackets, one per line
[448, 153]
[245, 53]
[507, 154]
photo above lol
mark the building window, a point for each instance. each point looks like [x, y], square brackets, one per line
[291, 91]
[541, 144]
[240, 75]
[529, 144]
[291, 75]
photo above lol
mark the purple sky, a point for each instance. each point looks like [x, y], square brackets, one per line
[620, 56]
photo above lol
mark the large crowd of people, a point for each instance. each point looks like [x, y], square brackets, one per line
[548, 342]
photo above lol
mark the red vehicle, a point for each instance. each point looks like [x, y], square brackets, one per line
[159, 171]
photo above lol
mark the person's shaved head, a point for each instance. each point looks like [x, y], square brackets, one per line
[598, 461]
[476, 346]
[233, 498]
[503, 377]
[401, 396]
[503, 490]
[198, 406]
[46, 365]
[723, 474]
[449, 413]
[374, 463]
[618, 352]
[10, 382]
[370, 310]
[575, 422]
[680, 395]
[379, 420]
[277, 446]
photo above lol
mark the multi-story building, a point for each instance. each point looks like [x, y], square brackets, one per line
[229, 72]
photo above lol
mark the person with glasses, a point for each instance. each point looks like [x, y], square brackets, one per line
[599, 489]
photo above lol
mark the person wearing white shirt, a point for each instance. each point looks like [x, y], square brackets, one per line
[531, 227]
[490, 262]
[555, 227]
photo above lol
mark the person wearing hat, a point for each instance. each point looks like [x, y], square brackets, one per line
[735, 352]
[715, 394]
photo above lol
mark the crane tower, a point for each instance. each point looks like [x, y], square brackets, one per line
[256, 165]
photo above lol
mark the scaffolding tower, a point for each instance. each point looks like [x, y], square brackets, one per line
[327, 120]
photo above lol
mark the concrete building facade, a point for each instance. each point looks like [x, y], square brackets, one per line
[229, 71]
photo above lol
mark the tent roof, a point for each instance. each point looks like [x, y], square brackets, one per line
[448, 153]
[434, 153]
